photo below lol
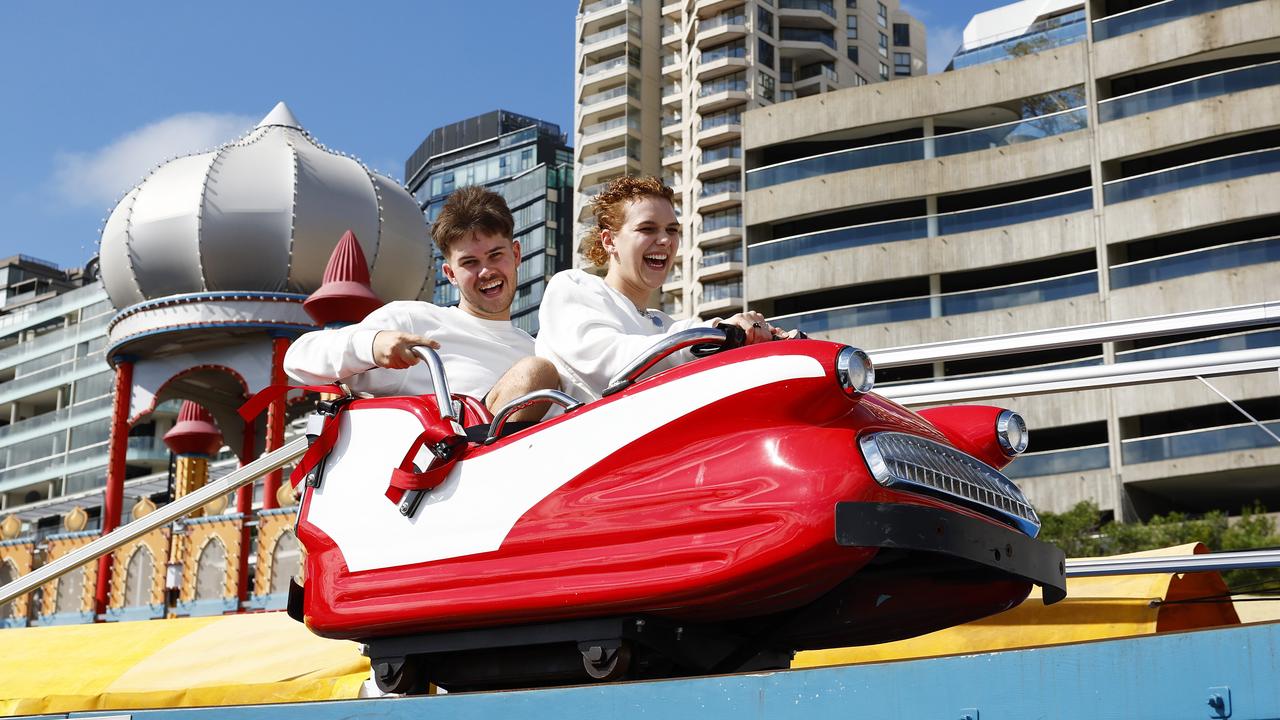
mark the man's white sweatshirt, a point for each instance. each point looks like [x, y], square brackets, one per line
[475, 352]
[591, 331]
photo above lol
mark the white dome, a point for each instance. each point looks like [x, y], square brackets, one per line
[261, 213]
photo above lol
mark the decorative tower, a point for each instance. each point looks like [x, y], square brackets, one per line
[193, 439]
[209, 260]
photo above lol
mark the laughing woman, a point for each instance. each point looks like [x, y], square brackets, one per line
[590, 327]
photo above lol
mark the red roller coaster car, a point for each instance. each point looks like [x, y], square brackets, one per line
[715, 517]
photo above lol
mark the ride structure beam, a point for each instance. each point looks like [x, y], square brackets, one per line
[117, 450]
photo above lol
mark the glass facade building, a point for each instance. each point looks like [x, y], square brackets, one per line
[529, 163]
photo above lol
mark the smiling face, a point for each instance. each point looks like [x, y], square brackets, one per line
[642, 251]
[483, 267]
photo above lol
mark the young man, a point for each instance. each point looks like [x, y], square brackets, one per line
[484, 355]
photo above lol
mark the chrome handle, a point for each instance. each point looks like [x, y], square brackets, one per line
[444, 399]
[564, 400]
[666, 345]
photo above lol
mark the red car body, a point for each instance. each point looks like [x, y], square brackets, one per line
[707, 494]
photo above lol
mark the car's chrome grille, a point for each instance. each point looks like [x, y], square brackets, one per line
[910, 462]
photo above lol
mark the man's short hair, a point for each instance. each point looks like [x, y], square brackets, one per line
[469, 209]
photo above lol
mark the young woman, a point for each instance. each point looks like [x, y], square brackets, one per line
[591, 327]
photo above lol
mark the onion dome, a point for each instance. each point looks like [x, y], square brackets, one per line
[345, 296]
[261, 213]
[194, 433]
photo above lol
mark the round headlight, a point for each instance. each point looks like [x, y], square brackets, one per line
[1011, 431]
[854, 371]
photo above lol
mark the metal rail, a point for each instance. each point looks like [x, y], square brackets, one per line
[1154, 326]
[1094, 377]
[165, 514]
[1242, 560]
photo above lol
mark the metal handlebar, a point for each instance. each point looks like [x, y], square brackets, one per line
[439, 383]
[564, 400]
[666, 345]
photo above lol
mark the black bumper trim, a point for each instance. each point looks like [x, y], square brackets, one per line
[926, 529]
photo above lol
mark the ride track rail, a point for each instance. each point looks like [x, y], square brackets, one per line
[962, 389]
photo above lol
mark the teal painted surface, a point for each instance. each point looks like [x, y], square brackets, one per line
[1161, 678]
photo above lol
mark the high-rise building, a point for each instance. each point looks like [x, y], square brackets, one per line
[528, 162]
[662, 88]
[55, 391]
[1083, 163]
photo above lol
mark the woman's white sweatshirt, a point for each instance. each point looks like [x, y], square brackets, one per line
[591, 331]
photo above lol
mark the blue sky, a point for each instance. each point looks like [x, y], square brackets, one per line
[92, 94]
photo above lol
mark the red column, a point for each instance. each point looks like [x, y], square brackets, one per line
[275, 422]
[117, 448]
[244, 506]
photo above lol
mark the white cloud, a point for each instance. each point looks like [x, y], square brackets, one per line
[918, 12]
[943, 43]
[98, 177]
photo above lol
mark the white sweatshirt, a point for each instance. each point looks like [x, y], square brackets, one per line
[591, 331]
[475, 352]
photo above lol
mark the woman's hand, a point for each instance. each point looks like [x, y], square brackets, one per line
[754, 325]
[394, 349]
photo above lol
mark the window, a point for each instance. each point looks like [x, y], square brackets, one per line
[902, 34]
[901, 63]
[851, 4]
[882, 15]
[764, 21]
[883, 45]
[764, 86]
[852, 52]
[884, 71]
[286, 560]
[851, 27]
[211, 571]
[138, 578]
[858, 80]
[764, 53]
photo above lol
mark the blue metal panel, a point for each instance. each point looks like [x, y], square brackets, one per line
[1159, 677]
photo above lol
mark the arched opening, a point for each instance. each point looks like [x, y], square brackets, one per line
[211, 571]
[69, 597]
[285, 560]
[8, 573]
[138, 576]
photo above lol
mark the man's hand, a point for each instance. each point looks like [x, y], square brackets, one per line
[394, 349]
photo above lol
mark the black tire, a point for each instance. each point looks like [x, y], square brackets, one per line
[402, 676]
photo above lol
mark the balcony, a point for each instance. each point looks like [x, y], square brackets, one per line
[1204, 87]
[597, 11]
[994, 136]
[706, 8]
[719, 29]
[609, 37]
[945, 304]
[1247, 164]
[1195, 262]
[720, 297]
[672, 94]
[1192, 443]
[721, 264]
[607, 100]
[672, 33]
[720, 228]
[672, 154]
[147, 449]
[720, 194]
[808, 13]
[953, 223]
[615, 160]
[1044, 35]
[43, 312]
[1155, 14]
[607, 130]
[672, 64]
[672, 124]
[806, 45]
[722, 93]
[1060, 462]
[719, 127]
[605, 70]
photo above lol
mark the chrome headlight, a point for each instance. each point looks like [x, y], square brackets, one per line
[1011, 431]
[854, 371]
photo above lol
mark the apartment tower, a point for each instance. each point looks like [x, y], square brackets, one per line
[662, 88]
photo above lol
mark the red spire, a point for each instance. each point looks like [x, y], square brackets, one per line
[194, 433]
[345, 296]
